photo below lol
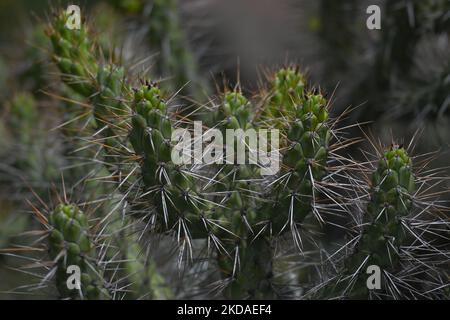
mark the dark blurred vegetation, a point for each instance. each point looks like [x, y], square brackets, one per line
[397, 77]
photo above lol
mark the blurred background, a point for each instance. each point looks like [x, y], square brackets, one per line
[397, 79]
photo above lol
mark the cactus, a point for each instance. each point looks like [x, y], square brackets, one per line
[241, 216]
[387, 238]
[393, 186]
[70, 244]
[143, 274]
[302, 119]
[239, 184]
[138, 275]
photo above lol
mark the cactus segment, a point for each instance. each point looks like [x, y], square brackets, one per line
[393, 187]
[72, 52]
[70, 245]
[244, 254]
[176, 60]
[170, 187]
[302, 118]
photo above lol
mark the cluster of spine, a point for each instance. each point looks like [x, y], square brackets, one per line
[70, 244]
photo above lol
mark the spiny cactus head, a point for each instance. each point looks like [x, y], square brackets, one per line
[308, 138]
[236, 110]
[64, 38]
[288, 86]
[69, 225]
[152, 127]
[149, 97]
[393, 186]
[393, 182]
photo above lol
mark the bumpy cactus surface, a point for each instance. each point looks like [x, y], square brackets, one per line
[70, 244]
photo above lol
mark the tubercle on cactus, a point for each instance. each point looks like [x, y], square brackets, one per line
[70, 244]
